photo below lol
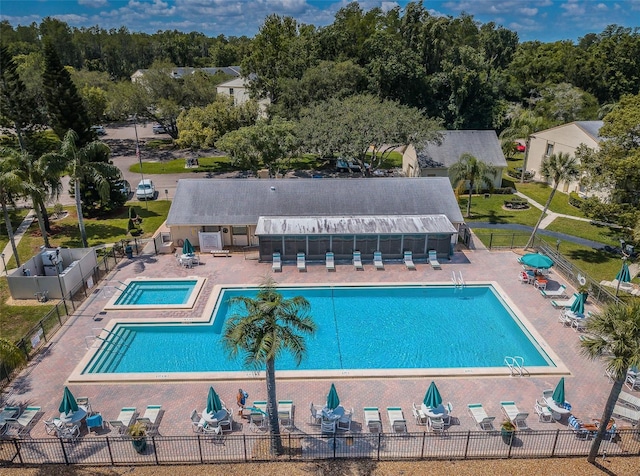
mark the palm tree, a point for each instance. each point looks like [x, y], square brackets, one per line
[10, 354]
[560, 167]
[523, 124]
[85, 164]
[11, 186]
[614, 338]
[270, 325]
[474, 171]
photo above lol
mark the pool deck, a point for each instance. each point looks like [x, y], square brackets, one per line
[42, 383]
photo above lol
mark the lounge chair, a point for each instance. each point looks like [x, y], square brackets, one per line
[418, 414]
[566, 302]
[22, 424]
[377, 260]
[150, 417]
[357, 261]
[633, 380]
[515, 416]
[629, 400]
[408, 260]
[484, 421]
[372, 419]
[285, 413]
[557, 293]
[578, 429]
[258, 416]
[302, 264]
[433, 259]
[330, 261]
[627, 413]
[276, 265]
[396, 419]
[125, 418]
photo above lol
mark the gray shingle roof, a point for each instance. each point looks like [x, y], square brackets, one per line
[355, 225]
[592, 128]
[200, 202]
[484, 145]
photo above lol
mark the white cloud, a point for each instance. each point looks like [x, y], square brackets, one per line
[93, 3]
[573, 8]
[530, 12]
[602, 6]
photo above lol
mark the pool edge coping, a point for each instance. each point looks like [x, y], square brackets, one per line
[195, 293]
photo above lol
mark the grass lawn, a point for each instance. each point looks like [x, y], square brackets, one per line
[100, 231]
[15, 321]
[176, 166]
[540, 193]
[583, 229]
[490, 210]
[16, 217]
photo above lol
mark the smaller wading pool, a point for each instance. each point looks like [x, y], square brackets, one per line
[143, 293]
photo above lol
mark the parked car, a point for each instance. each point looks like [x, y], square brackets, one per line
[520, 147]
[124, 187]
[344, 165]
[146, 190]
[100, 130]
[159, 129]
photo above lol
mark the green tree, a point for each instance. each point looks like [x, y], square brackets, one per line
[614, 337]
[268, 326]
[522, 123]
[471, 172]
[265, 144]
[65, 106]
[560, 167]
[563, 102]
[10, 355]
[86, 163]
[11, 186]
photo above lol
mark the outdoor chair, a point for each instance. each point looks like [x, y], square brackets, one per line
[372, 419]
[357, 261]
[543, 412]
[629, 400]
[302, 264]
[330, 261]
[421, 418]
[433, 259]
[485, 422]
[315, 416]
[276, 265]
[408, 260]
[344, 423]
[22, 424]
[377, 260]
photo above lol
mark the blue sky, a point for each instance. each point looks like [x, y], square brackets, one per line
[544, 20]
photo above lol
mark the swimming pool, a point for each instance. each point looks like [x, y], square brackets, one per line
[157, 294]
[410, 329]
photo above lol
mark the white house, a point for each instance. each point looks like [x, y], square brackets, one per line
[238, 89]
[178, 73]
[565, 138]
[434, 160]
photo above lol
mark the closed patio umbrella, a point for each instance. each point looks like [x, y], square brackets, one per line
[332, 399]
[68, 403]
[558, 393]
[578, 305]
[432, 398]
[187, 247]
[537, 260]
[624, 276]
[213, 402]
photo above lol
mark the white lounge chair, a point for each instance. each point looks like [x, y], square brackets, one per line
[276, 265]
[633, 380]
[484, 421]
[125, 418]
[372, 419]
[515, 416]
[433, 259]
[557, 293]
[629, 400]
[357, 261]
[408, 260]
[396, 419]
[566, 302]
[330, 261]
[150, 417]
[627, 413]
[22, 424]
[302, 264]
[377, 260]
[285, 413]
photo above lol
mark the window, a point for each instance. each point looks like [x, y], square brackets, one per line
[549, 150]
[230, 91]
[239, 230]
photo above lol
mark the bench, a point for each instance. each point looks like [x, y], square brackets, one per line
[220, 253]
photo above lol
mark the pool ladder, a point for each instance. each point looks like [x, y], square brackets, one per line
[115, 341]
[516, 366]
[458, 281]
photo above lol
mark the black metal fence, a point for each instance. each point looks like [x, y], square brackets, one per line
[198, 449]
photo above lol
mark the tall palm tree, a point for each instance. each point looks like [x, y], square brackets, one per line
[85, 164]
[614, 338]
[41, 179]
[560, 167]
[523, 124]
[269, 325]
[469, 169]
[11, 186]
[10, 354]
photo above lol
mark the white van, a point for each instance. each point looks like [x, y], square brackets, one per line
[146, 190]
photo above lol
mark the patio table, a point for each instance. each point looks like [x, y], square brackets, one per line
[214, 418]
[558, 411]
[438, 412]
[333, 415]
[75, 417]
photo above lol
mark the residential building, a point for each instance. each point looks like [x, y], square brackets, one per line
[178, 73]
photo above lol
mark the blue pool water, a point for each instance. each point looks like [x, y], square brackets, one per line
[141, 293]
[358, 328]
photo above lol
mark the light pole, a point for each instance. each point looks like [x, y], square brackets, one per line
[135, 129]
[4, 264]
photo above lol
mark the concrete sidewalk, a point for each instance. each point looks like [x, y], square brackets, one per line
[551, 216]
[18, 233]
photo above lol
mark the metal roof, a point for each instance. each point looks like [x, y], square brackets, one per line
[200, 202]
[355, 225]
[591, 128]
[483, 145]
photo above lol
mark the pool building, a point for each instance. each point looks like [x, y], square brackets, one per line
[313, 216]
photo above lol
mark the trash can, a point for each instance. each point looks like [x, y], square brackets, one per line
[128, 250]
